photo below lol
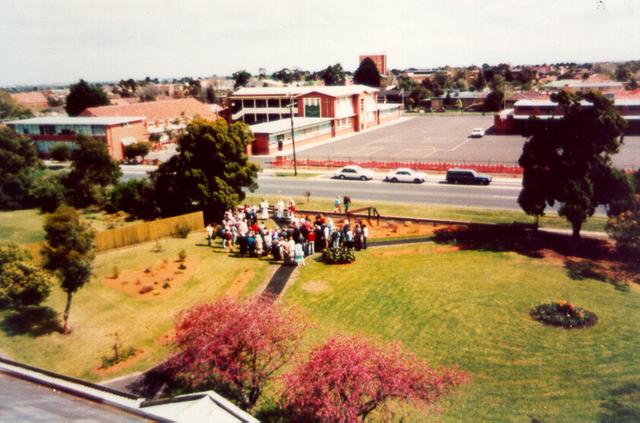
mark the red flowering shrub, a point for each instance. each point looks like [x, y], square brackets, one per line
[346, 379]
[234, 347]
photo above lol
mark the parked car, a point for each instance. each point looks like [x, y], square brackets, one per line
[467, 176]
[354, 172]
[477, 133]
[404, 174]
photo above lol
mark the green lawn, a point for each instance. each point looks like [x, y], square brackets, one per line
[99, 311]
[21, 226]
[26, 226]
[551, 220]
[471, 308]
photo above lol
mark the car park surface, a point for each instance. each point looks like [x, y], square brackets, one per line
[440, 138]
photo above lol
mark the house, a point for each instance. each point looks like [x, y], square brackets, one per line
[319, 112]
[33, 394]
[34, 100]
[159, 117]
[46, 132]
[516, 120]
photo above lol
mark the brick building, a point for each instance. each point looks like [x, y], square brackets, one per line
[320, 112]
[159, 116]
[380, 60]
[46, 132]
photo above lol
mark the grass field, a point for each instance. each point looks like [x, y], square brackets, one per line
[468, 214]
[471, 308]
[98, 312]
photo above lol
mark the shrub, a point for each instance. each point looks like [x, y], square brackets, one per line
[136, 197]
[139, 149]
[61, 152]
[145, 289]
[338, 255]
[182, 231]
[182, 255]
[564, 314]
[182, 266]
[47, 192]
[625, 229]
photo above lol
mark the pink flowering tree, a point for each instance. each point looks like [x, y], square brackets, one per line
[346, 379]
[234, 347]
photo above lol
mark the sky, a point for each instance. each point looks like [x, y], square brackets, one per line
[44, 41]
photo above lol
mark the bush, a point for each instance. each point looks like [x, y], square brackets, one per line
[139, 149]
[136, 197]
[625, 229]
[182, 255]
[338, 256]
[145, 289]
[564, 314]
[61, 152]
[47, 192]
[182, 231]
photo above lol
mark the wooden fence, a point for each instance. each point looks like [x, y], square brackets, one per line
[147, 231]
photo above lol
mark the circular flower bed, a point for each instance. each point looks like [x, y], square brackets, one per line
[564, 314]
[338, 255]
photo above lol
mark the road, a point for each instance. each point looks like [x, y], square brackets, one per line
[501, 194]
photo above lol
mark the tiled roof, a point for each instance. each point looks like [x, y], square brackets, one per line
[30, 98]
[156, 110]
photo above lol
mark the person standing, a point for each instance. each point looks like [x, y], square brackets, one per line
[209, 229]
[346, 200]
[336, 205]
[365, 236]
[299, 255]
[264, 208]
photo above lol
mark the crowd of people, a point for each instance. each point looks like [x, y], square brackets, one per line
[296, 238]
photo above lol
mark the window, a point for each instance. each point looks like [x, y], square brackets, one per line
[248, 103]
[261, 103]
[274, 102]
[312, 107]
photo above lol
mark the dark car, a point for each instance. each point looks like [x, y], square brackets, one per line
[467, 176]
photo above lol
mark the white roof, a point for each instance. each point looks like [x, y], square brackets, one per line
[66, 120]
[282, 125]
[542, 103]
[387, 106]
[205, 406]
[333, 91]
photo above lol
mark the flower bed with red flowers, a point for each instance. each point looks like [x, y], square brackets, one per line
[564, 314]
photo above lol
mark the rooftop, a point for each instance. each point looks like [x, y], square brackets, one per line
[332, 91]
[282, 125]
[155, 110]
[79, 120]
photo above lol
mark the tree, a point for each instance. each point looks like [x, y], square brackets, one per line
[234, 347]
[495, 99]
[83, 95]
[92, 172]
[47, 191]
[480, 82]
[68, 251]
[208, 172]
[18, 162]
[285, 75]
[346, 379]
[138, 149]
[568, 160]
[241, 79]
[22, 284]
[210, 95]
[136, 197]
[624, 220]
[367, 73]
[61, 152]
[10, 109]
[149, 92]
[333, 75]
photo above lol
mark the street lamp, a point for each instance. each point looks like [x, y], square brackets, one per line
[293, 138]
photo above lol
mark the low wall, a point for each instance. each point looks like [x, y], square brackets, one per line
[374, 164]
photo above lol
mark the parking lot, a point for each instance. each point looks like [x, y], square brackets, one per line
[442, 138]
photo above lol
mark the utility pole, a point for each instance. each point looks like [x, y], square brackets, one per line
[293, 138]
